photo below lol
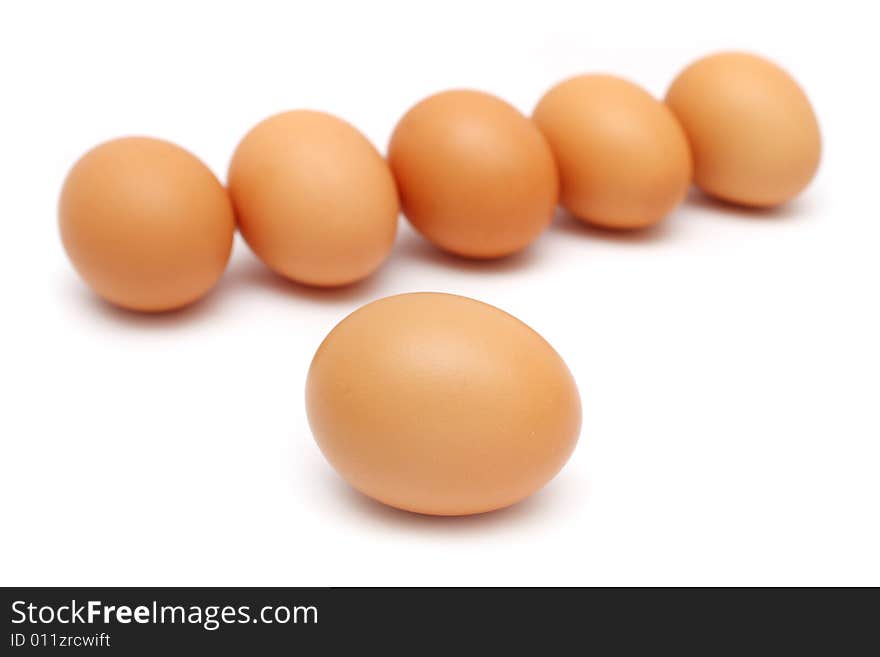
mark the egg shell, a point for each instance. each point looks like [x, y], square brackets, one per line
[476, 177]
[146, 224]
[441, 404]
[314, 199]
[753, 132]
[623, 160]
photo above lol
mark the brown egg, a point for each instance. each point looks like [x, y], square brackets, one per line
[440, 404]
[146, 224]
[314, 199]
[476, 177]
[623, 159]
[753, 133]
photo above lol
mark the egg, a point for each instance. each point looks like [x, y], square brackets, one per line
[314, 199]
[624, 161]
[146, 224]
[476, 177]
[753, 132]
[440, 404]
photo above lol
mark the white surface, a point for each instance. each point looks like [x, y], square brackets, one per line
[728, 362]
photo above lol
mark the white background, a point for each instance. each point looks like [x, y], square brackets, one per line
[728, 361]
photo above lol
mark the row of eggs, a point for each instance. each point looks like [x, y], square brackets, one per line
[431, 402]
[150, 228]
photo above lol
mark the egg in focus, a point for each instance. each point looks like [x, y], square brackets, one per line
[442, 405]
[476, 177]
[623, 160]
[753, 132]
[146, 224]
[314, 199]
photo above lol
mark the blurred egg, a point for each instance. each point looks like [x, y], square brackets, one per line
[146, 224]
[314, 199]
[440, 404]
[476, 177]
[753, 133]
[623, 159]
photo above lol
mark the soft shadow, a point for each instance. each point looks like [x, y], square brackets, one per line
[791, 210]
[565, 222]
[193, 313]
[255, 275]
[412, 246]
[539, 506]
[242, 275]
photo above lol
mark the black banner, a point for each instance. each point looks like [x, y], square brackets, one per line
[142, 621]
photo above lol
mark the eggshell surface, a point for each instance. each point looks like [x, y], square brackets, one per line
[145, 224]
[476, 177]
[314, 199]
[441, 404]
[753, 132]
[623, 160]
